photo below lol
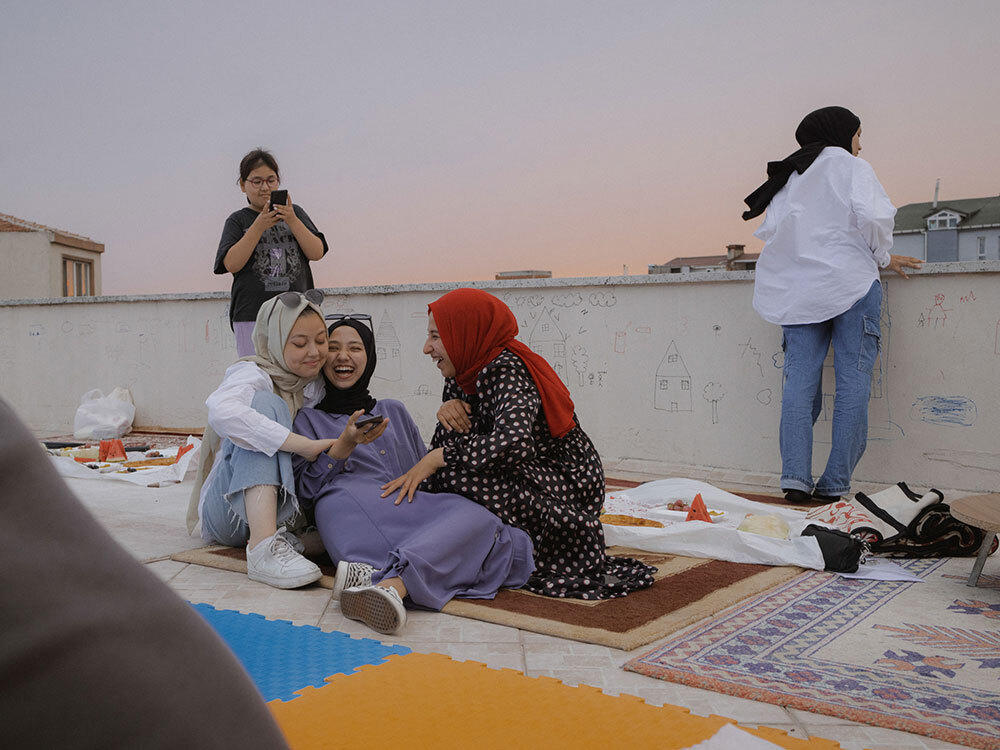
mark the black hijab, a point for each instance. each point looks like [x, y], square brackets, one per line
[349, 400]
[830, 126]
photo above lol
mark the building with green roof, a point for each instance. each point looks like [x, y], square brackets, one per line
[949, 230]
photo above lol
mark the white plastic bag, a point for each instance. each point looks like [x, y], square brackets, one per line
[101, 417]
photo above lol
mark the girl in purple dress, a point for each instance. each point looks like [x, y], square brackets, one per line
[425, 552]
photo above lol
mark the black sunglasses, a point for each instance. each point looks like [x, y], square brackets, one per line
[363, 317]
[291, 299]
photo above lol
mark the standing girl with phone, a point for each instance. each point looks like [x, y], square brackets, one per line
[266, 246]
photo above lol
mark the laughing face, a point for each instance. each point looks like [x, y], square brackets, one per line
[434, 348]
[347, 357]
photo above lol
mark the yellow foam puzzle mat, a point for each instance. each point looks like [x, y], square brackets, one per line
[431, 701]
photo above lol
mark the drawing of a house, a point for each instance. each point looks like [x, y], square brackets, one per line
[672, 390]
[389, 365]
[548, 340]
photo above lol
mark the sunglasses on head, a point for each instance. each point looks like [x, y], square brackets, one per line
[291, 299]
[362, 317]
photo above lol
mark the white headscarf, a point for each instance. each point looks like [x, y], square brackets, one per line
[274, 324]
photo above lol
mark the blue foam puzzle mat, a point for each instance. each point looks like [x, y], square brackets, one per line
[283, 658]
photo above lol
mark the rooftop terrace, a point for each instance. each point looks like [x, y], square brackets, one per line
[625, 346]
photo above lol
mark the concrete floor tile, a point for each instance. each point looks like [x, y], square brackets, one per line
[166, 569]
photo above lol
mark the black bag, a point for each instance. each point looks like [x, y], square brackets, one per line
[842, 553]
[936, 533]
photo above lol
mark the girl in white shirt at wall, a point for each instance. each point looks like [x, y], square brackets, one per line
[249, 496]
[827, 231]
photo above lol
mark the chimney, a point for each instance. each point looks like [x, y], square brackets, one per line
[937, 186]
[734, 251]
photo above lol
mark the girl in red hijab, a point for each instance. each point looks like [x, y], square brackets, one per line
[508, 438]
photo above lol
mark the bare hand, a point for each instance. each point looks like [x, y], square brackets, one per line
[898, 262]
[284, 213]
[408, 483]
[265, 220]
[353, 435]
[454, 415]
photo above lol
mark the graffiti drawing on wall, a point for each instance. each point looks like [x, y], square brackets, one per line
[952, 411]
[389, 365]
[672, 383]
[714, 393]
[936, 314]
[548, 340]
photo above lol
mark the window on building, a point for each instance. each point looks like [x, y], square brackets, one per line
[685, 385]
[664, 384]
[981, 241]
[672, 357]
[78, 277]
[943, 220]
[559, 350]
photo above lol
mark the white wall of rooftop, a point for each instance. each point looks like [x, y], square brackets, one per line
[664, 370]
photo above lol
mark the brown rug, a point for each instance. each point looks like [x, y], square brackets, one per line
[686, 590]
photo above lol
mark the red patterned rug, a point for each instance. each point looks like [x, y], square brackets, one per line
[917, 657]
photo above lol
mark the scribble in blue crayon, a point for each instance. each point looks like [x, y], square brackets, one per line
[953, 411]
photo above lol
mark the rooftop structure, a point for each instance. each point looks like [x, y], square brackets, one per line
[949, 230]
[735, 259]
[41, 261]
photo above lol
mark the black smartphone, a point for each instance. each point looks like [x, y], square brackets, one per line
[279, 198]
[369, 421]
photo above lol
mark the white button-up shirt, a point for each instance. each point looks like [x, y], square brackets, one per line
[826, 234]
[231, 415]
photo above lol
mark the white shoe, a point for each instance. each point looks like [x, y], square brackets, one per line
[274, 562]
[378, 607]
[351, 574]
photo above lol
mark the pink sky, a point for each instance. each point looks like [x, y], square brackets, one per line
[442, 141]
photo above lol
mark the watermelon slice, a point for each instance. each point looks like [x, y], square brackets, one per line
[698, 510]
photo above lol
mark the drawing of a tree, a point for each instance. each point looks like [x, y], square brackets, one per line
[714, 393]
[579, 359]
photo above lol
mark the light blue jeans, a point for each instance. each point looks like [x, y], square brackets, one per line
[224, 513]
[855, 337]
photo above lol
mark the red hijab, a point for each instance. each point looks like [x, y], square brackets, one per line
[475, 327]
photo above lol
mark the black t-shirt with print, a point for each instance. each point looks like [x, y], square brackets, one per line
[276, 265]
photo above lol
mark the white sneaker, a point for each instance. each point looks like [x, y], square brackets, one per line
[351, 574]
[274, 562]
[378, 607]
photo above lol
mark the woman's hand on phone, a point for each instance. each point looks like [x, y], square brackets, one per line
[265, 220]
[285, 212]
[353, 435]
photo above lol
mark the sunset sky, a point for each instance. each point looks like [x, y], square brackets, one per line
[445, 141]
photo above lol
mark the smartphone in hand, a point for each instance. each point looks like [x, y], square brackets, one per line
[278, 198]
[370, 421]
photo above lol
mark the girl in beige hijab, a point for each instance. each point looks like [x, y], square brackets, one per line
[249, 496]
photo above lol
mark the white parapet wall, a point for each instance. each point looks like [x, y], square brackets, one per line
[674, 369]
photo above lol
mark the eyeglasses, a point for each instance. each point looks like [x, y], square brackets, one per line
[292, 299]
[362, 317]
[258, 181]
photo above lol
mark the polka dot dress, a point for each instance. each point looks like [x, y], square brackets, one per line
[552, 488]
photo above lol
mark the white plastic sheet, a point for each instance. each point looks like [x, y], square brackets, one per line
[719, 540]
[147, 477]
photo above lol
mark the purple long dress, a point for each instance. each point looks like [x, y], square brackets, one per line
[442, 545]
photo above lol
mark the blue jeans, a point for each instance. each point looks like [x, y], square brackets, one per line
[855, 337]
[223, 512]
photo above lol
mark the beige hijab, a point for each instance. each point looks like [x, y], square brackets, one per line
[274, 322]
